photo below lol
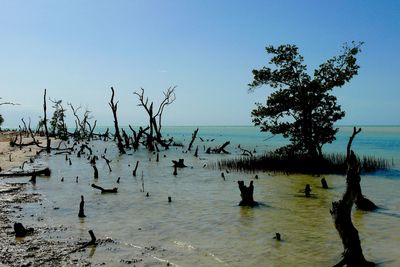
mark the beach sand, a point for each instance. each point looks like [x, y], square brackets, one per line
[33, 249]
[17, 155]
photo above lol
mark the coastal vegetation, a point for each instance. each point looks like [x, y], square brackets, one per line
[302, 108]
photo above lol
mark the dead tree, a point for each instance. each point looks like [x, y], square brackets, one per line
[193, 138]
[246, 194]
[114, 107]
[103, 190]
[91, 129]
[81, 124]
[48, 141]
[155, 118]
[126, 139]
[108, 162]
[138, 136]
[341, 213]
[134, 171]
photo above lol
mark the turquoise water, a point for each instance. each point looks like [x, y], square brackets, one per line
[203, 226]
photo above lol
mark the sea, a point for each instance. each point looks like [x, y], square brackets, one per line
[203, 224]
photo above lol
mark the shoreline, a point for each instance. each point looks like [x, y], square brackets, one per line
[35, 249]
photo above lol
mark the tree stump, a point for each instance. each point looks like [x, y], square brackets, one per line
[324, 183]
[81, 208]
[21, 231]
[246, 194]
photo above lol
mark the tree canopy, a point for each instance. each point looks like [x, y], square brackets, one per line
[302, 107]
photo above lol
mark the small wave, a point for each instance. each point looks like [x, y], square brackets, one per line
[191, 247]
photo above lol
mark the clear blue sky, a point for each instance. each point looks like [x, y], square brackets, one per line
[78, 49]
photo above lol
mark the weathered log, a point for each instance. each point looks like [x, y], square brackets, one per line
[221, 149]
[246, 194]
[341, 213]
[196, 152]
[103, 190]
[193, 138]
[44, 172]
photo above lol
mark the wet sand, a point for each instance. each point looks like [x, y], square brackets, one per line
[35, 249]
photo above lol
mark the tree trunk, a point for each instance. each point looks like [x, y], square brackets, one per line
[48, 141]
[114, 108]
[341, 214]
[193, 138]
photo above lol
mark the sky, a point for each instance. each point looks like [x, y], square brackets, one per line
[77, 50]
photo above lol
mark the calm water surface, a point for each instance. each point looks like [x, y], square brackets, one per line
[203, 226]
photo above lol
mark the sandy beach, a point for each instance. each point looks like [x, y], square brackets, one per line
[34, 249]
[14, 157]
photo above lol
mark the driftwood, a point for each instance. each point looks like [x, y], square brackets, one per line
[44, 172]
[247, 194]
[103, 190]
[219, 150]
[193, 138]
[341, 213]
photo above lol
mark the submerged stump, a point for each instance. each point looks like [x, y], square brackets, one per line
[246, 192]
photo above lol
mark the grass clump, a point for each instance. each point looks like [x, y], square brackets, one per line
[333, 163]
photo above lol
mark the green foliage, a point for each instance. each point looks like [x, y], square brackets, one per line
[302, 108]
[57, 125]
[1, 120]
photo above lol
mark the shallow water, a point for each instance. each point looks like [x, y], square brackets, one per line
[203, 226]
